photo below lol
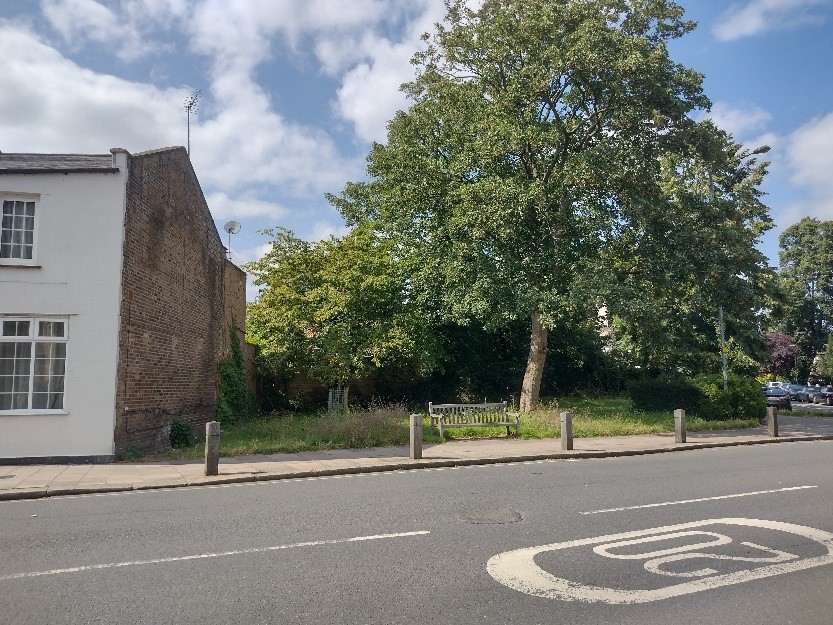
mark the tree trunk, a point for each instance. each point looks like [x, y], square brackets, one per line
[534, 365]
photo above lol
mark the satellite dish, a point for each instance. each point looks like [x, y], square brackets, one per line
[232, 227]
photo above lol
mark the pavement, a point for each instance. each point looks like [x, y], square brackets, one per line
[50, 480]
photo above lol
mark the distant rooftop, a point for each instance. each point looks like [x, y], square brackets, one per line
[51, 163]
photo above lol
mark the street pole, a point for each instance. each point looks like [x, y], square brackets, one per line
[723, 349]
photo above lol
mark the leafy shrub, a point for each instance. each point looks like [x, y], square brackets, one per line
[702, 395]
[663, 394]
[742, 400]
[182, 434]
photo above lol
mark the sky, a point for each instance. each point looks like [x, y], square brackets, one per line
[294, 92]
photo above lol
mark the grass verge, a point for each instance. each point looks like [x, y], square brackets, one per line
[388, 426]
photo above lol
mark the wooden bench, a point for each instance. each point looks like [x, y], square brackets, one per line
[472, 416]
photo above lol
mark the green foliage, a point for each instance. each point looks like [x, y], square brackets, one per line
[701, 395]
[804, 308]
[664, 394]
[742, 400]
[182, 434]
[233, 400]
[548, 165]
[385, 425]
[133, 455]
[336, 309]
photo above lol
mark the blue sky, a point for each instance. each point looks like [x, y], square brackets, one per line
[294, 91]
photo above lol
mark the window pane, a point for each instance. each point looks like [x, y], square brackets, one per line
[21, 384]
[7, 350]
[30, 209]
[5, 250]
[6, 234]
[41, 384]
[26, 252]
[23, 351]
[17, 236]
[17, 251]
[20, 401]
[39, 400]
[48, 401]
[56, 401]
[44, 350]
[50, 328]
[6, 366]
[29, 237]
[6, 383]
[22, 367]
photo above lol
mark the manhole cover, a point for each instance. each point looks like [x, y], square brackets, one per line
[491, 516]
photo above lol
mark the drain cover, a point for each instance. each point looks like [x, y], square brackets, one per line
[491, 516]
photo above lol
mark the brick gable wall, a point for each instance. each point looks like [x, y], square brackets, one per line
[180, 296]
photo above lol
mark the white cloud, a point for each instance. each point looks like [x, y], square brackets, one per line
[79, 21]
[248, 144]
[739, 121]
[369, 95]
[243, 207]
[810, 159]
[760, 16]
[50, 104]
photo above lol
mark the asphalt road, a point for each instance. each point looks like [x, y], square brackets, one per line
[737, 535]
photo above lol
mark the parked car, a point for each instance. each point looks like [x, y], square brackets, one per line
[795, 390]
[805, 395]
[778, 398]
[823, 395]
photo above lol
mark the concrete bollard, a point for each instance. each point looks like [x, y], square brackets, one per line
[679, 426]
[212, 448]
[772, 421]
[416, 437]
[567, 431]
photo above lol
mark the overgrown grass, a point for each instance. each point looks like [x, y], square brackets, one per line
[602, 416]
[388, 426]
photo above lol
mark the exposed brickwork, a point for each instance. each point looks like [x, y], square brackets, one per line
[180, 297]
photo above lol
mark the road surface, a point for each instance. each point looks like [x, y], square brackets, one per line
[737, 535]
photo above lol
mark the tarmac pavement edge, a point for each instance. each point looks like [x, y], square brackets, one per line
[404, 465]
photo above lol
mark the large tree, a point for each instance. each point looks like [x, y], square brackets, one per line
[674, 268]
[336, 309]
[806, 307]
[533, 148]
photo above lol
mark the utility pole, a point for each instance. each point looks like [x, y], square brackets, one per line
[723, 349]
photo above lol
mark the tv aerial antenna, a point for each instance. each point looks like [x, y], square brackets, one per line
[192, 105]
[232, 227]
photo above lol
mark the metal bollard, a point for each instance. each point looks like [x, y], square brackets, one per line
[212, 448]
[416, 437]
[566, 431]
[772, 421]
[679, 426]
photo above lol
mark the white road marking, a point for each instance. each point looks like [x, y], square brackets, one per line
[518, 570]
[203, 556]
[716, 498]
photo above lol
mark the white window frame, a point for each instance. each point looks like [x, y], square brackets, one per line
[33, 338]
[23, 197]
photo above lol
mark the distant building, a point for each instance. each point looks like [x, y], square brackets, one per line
[117, 303]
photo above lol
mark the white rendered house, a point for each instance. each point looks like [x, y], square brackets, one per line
[91, 361]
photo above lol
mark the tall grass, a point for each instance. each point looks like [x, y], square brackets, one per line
[388, 426]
